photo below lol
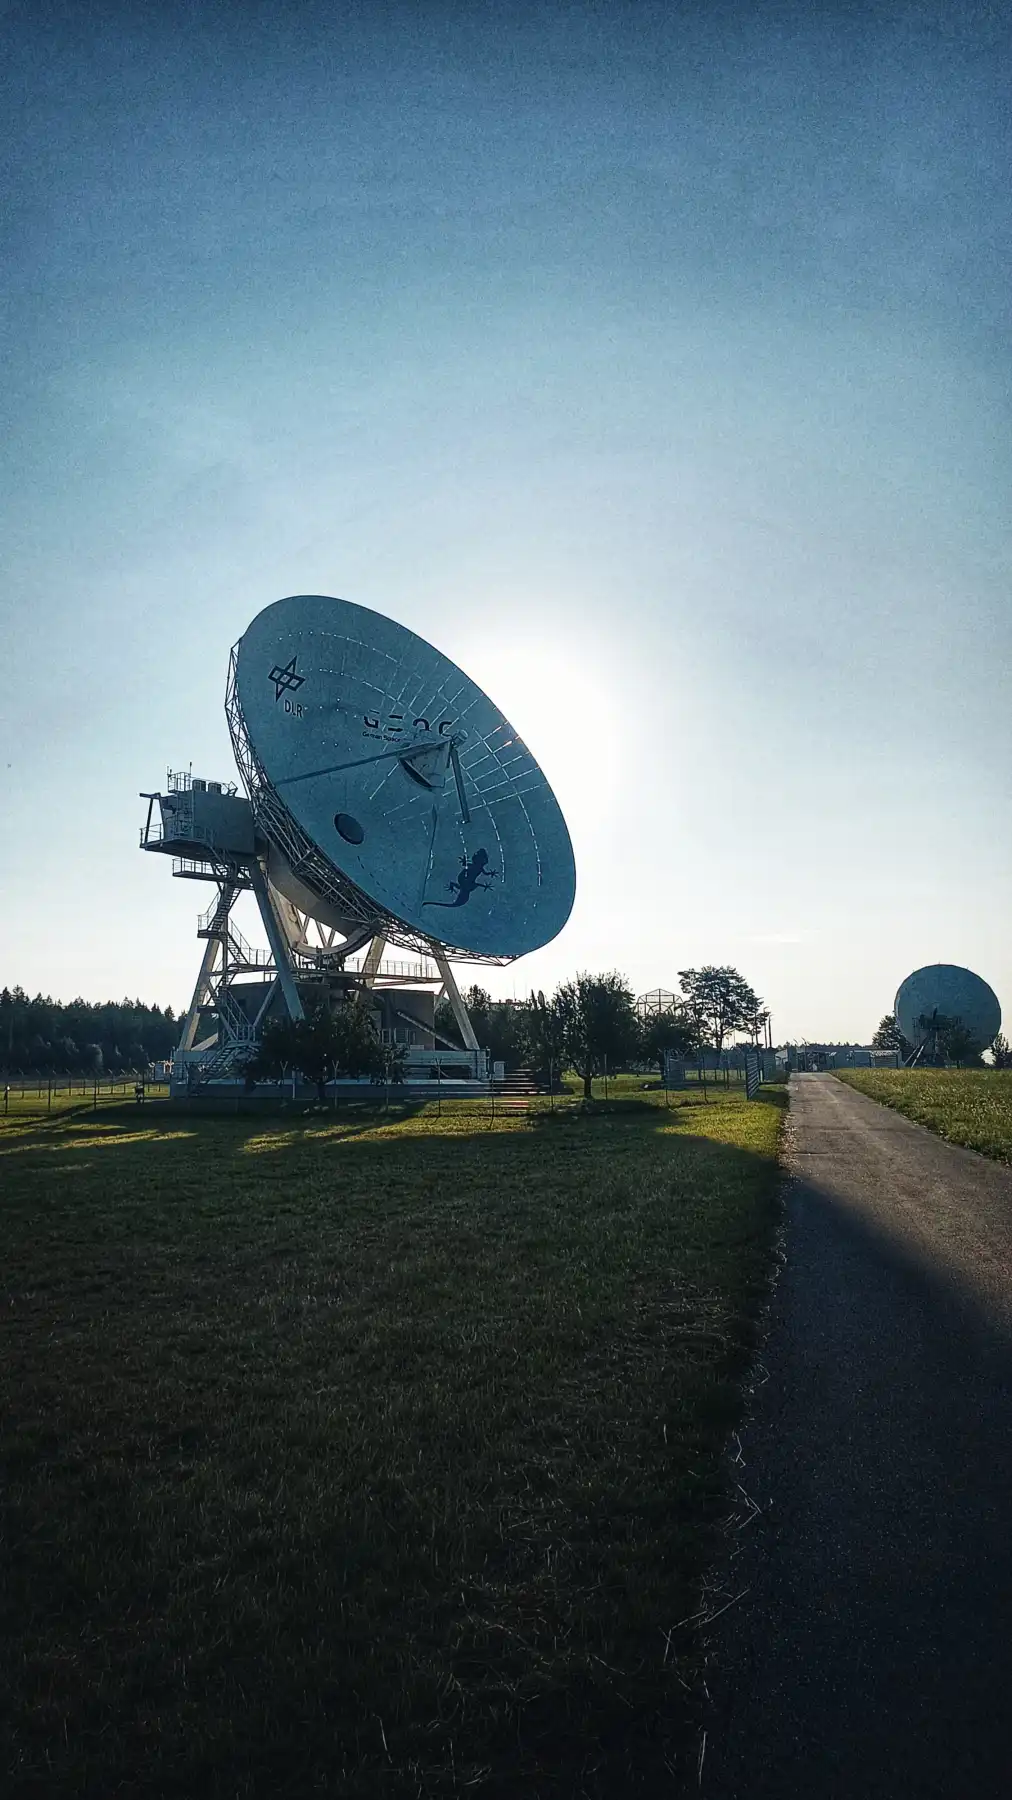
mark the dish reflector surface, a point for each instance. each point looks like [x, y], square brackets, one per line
[392, 784]
[949, 992]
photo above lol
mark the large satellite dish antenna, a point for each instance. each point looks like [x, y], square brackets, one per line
[389, 801]
[943, 994]
[392, 792]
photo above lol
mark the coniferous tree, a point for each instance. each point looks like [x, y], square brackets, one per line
[43, 1034]
[888, 1036]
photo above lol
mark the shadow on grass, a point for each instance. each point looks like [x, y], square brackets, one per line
[870, 1656]
[382, 1474]
[323, 1123]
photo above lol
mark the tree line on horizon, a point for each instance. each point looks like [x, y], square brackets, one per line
[589, 1024]
[74, 1037]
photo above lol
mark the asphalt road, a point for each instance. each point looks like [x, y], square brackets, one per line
[871, 1652]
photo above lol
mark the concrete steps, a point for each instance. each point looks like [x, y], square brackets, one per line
[517, 1084]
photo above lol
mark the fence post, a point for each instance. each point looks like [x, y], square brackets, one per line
[551, 1085]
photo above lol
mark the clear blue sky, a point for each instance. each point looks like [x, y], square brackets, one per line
[652, 360]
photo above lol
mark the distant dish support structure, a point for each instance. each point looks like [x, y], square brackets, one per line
[658, 1000]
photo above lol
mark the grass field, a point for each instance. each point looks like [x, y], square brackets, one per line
[968, 1106]
[27, 1100]
[368, 1457]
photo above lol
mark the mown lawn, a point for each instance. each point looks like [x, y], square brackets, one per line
[368, 1457]
[34, 1100]
[968, 1106]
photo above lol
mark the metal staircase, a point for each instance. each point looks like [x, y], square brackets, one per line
[217, 922]
[241, 1031]
[220, 1063]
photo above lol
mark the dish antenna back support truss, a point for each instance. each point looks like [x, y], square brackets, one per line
[353, 828]
[239, 985]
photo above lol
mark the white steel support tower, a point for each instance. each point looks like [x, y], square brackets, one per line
[207, 829]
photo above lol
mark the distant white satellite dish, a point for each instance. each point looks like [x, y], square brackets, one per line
[945, 993]
[390, 788]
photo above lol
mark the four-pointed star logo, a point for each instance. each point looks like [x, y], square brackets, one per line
[285, 680]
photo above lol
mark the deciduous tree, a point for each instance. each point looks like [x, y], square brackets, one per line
[599, 1023]
[958, 1047]
[674, 1030]
[546, 1035]
[325, 1044]
[719, 1000]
